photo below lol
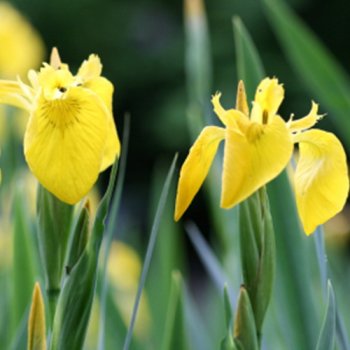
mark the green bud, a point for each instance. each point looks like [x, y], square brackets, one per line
[245, 333]
[257, 252]
[54, 224]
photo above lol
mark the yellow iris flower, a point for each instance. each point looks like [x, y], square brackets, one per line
[70, 135]
[259, 147]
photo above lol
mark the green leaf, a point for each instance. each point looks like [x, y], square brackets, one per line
[111, 230]
[293, 296]
[249, 65]
[326, 338]
[245, 333]
[315, 65]
[209, 260]
[24, 258]
[150, 248]
[175, 336]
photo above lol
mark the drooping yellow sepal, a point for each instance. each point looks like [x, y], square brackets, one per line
[36, 323]
[196, 167]
[253, 158]
[321, 178]
[65, 142]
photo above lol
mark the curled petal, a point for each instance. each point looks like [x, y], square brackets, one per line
[307, 122]
[65, 141]
[321, 178]
[253, 158]
[196, 167]
[268, 97]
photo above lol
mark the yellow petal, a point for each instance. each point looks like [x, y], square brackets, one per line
[196, 167]
[90, 68]
[306, 122]
[253, 158]
[11, 94]
[36, 323]
[321, 178]
[268, 97]
[65, 141]
[104, 89]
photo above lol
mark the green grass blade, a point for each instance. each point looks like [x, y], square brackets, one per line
[249, 65]
[175, 336]
[293, 289]
[24, 258]
[210, 261]
[326, 338]
[110, 231]
[341, 333]
[315, 65]
[149, 252]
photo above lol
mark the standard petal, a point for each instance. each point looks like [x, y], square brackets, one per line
[196, 167]
[268, 97]
[90, 68]
[65, 141]
[321, 178]
[253, 158]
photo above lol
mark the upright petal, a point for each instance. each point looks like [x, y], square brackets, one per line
[268, 97]
[321, 178]
[253, 158]
[65, 142]
[196, 167]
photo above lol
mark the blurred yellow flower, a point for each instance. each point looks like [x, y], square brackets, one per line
[259, 147]
[70, 136]
[21, 47]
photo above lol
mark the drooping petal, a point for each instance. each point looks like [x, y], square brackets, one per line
[306, 122]
[268, 97]
[65, 142]
[321, 178]
[253, 158]
[196, 167]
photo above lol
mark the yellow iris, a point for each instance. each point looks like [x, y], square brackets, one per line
[70, 136]
[259, 147]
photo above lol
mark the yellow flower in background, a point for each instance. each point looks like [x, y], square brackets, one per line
[258, 147]
[70, 136]
[21, 47]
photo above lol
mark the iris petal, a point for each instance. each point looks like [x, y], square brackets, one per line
[253, 158]
[65, 141]
[268, 97]
[196, 167]
[321, 178]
